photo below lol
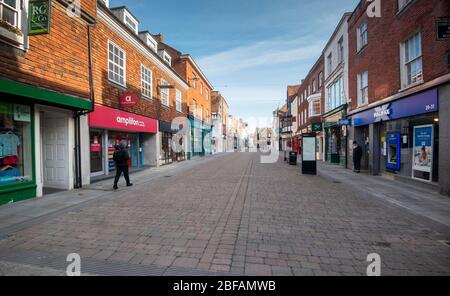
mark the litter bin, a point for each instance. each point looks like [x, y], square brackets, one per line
[293, 158]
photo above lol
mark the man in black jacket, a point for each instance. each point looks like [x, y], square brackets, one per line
[357, 155]
[121, 158]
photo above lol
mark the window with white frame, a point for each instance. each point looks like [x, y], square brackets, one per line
[200, 113]
[201, 88]
[314, 86]
[361, 36]
[207, 94]
[194, 81]
[320, 79]
[363, 88]
[165, 93]
[116, 64]
[178, 100]
[10, 12]
[341, 50]
[314, 108]
[194, 108]
[335, 93]
[146, 82]
[412, 71]
[131, 24]
[403, 3]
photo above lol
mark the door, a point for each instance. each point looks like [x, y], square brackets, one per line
[55, 150]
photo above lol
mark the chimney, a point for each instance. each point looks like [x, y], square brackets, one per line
[159, 38]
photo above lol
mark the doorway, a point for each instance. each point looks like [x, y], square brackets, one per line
[55, 150]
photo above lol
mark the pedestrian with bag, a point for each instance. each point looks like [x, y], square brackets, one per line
[121, 157]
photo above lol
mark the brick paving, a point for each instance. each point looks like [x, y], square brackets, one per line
[234, 215]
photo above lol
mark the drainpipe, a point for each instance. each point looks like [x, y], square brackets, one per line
[78, 114]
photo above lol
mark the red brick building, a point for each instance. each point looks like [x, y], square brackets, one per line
[45, 87]
[137, 94]
[198, 97]
[311, 104]
[399, 90]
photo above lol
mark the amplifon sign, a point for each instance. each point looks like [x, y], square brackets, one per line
[128, 100]
[109, 118]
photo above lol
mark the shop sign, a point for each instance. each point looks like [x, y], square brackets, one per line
[317, 127]
[443, 29]
[22, 113]
[39, 20]
[345, 122]
[96, 148]
[422, 103]
[128, 100]
[109, 118]
[423, 152]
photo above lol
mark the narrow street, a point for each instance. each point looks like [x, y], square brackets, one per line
[226, 214]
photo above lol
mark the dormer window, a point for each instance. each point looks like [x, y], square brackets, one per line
[165, 56]
[131, 24]
[149, 40]
[127, 18]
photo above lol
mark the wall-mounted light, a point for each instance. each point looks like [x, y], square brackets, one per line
[436, 120]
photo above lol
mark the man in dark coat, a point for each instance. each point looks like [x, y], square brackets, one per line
[357, 156]
[121, 157]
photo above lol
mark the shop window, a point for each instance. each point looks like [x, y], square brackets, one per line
[15, 144]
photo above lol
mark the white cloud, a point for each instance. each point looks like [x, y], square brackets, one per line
[260, 54]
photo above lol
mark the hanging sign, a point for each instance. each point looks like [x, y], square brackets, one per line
[39, 20]
[443, 29]
[423, 152]
[128, 100]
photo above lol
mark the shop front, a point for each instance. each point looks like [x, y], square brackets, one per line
[200, 138]
[167, 136]
[402, 137]
[37, 140]
[109, 127]
[335, 136]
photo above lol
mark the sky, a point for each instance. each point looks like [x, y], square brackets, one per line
[250, 50]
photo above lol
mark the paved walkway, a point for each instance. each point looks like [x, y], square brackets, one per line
[229, 215]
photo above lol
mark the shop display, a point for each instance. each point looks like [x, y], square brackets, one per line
[14, 123]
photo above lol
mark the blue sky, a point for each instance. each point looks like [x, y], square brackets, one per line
[254, 47]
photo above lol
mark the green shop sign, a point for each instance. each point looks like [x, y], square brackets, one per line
[39, 22]
[316, 127]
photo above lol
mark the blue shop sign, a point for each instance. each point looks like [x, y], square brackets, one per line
[345, 122]
[425, 102]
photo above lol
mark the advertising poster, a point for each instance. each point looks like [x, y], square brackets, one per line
[309, 149]
[423, 152]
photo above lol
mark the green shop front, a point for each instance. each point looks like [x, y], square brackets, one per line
[200, 138]
[335, 135]
[37, 140]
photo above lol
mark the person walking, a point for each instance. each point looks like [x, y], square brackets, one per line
[121, 157]
[357, 155]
